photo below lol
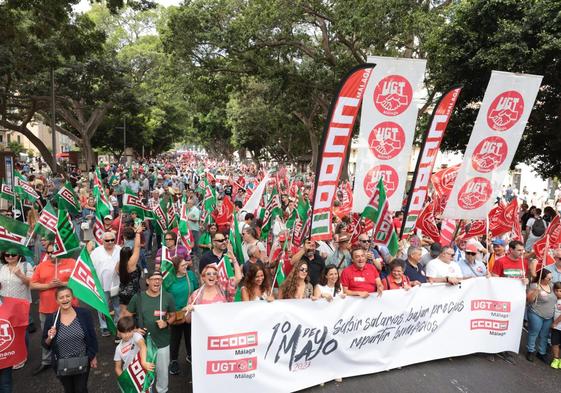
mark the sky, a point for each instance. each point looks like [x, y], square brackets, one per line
[85, 5]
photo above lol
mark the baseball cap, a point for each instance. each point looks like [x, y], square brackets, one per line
[109, 216]
[471, 248]
[154, 272]
[498, 242]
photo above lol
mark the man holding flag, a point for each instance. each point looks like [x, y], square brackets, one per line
[155, 310]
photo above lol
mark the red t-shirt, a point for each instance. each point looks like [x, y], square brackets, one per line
[390, 283]
[44, 274]
[360, 280]
[507, 267]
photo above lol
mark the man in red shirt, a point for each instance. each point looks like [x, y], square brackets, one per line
[512, 265]
[361, 278]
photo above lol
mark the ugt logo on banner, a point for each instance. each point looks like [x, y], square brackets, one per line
[392, 95]
[489, 154]
[386, 140]
[505, 110]
[474, 193]
[387, 174]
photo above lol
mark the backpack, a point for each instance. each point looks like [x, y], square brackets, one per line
[538, 229]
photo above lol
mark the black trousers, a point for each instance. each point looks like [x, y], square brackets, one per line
[178, 331]
[76, 383]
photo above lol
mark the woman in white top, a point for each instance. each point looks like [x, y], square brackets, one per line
[256, 284]
[329, 286]
[15, 274]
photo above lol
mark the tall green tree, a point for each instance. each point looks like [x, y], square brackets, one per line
[507, 35]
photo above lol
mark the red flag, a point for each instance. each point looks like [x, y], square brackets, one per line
[443, 180]
[223, 214]
[14, 318]
[474, 229]
[447, 230]
[497, 223]
[426, 223]
[553, 232]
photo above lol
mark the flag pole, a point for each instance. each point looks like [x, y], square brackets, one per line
[161, 300]
[56, 318]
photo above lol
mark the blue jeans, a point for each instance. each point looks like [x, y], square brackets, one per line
[112, 302]
[6, 380]
[538, 332]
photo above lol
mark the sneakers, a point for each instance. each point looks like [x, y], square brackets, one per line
[530, 356]
[105, 333]
[556, 363]
[117, 340]
[174, 367]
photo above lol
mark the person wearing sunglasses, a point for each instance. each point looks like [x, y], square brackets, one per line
[361, 279]
[470, 265]
[174, 249]
[297, 284]
[105, 260]
[49, 275]
[214, 255]
[15, 277]
[213, 290]
[372, 254]
[444, 268]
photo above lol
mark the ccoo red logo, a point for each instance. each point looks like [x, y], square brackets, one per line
[489, 324]
[489, 154]
[393, 95]
[388, 176]
[505, 110]
[7, 334]
[232, 341]
[474, 193]
[386, 140]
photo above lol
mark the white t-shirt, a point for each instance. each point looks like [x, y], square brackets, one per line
[127, 350]
[104, 264]
[11, 285]
[325, 290]
[436, 268]
[557, 314]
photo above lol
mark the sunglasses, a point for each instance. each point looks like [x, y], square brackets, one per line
[220, 240]
[49, 252]
[109, 240]
[210, 274]
[169, 239]
[303, 270]
[470, 253]
[365, 241]
[11, 255]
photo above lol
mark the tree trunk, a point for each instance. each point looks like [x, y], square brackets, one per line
[87, 152]
[314, 144]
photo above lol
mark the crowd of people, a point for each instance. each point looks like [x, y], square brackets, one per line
[128, 263]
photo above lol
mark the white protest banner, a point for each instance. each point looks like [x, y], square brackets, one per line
[501, 120]
[387, 128]
[289, 345]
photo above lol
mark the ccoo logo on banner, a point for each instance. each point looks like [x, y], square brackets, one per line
[501, 120]
[387, 127]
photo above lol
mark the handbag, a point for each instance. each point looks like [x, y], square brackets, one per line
[181, 315]
[85, 226]
[115, 287]
[72, 366]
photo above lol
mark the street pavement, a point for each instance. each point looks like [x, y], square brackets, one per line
[467, 374]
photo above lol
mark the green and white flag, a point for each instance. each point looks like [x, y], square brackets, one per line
[279, 275]
[86, 286]
[160, 217]
[23, 188]
[67, 199]
[134, 378]
[384, 231]
[133, 204]
[102, 208]
[13, 236]
[226, 272]
[167, 268]
[272, 210]
[236, 239]
[47, 224]
[185, 235]
[66, 241]
[7, 192]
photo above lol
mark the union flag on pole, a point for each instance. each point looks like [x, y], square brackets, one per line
[86, 286]
[66, 241]
[47, 223]
[384, 231]
[67, 198]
